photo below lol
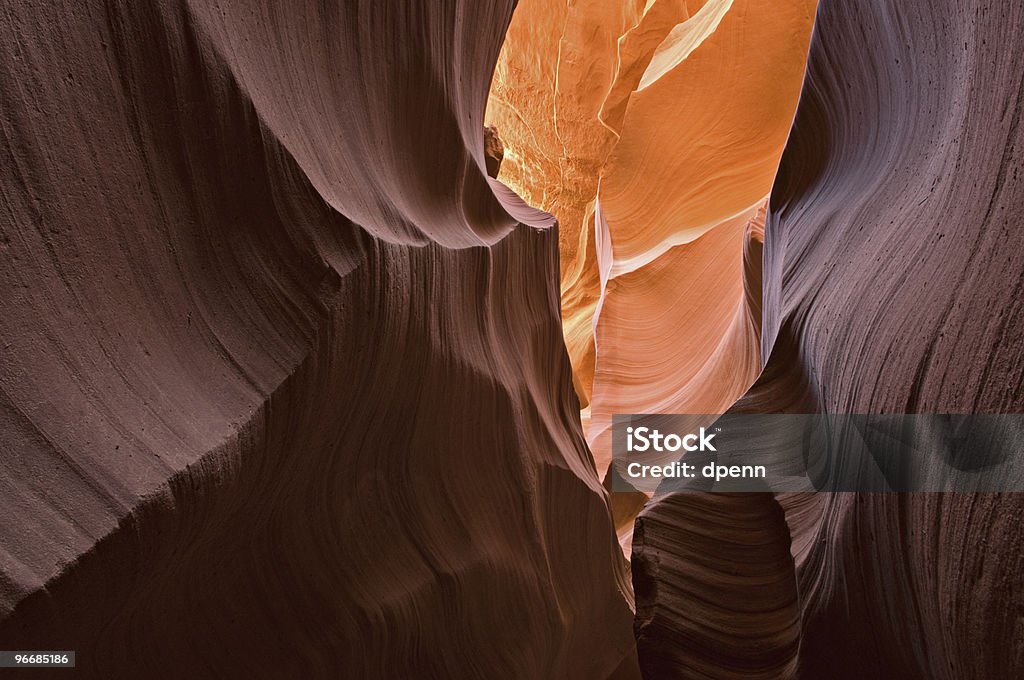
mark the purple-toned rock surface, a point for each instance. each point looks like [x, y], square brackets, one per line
[893, 282]
[283, 391]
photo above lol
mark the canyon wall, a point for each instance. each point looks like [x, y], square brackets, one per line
[653, 131]
[283, 387]
[893, 282]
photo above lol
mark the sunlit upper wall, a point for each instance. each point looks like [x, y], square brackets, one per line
[660, 124]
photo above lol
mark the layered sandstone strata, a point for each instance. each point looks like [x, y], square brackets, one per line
[653, 132]
[892, 283]
[284, 392]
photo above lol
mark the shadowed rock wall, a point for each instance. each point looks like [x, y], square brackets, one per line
[283, 389]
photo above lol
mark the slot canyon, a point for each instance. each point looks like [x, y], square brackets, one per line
[315, 316]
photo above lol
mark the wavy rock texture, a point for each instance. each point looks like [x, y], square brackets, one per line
[893, 283]
[719, 542]
[671, 118]
[548, 89]
[283, 388]
[699, 146]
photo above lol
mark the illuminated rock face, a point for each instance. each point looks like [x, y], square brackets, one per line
[283, 389]
[653, 133]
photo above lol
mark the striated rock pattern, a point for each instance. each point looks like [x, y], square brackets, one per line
[653, 133]
[699, 145]
[893, 282]
[283, 391]
[720, 543]
[283, 387]
[549, 86]
[679, 334]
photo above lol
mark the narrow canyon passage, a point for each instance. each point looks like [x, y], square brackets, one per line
[299, 379]
[652, 132]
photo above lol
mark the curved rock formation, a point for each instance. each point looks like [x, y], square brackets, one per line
[549, 86]
[667, 119]
[676, 336]
[892, 283]
[283, 389]
[701, 550]
[700, 142]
